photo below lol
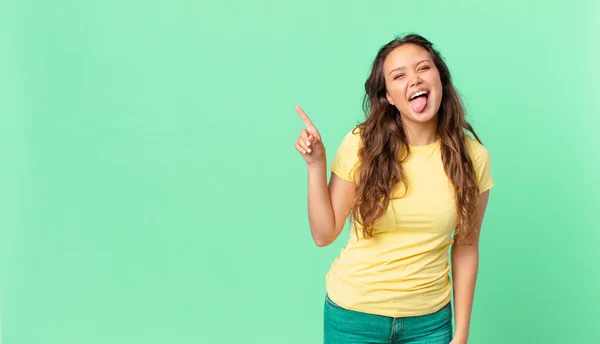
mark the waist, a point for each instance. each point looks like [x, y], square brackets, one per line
[399, 298]
[411, 286]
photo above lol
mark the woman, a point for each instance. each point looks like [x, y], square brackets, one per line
[414, 184]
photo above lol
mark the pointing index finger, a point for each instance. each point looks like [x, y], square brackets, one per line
[305, 119]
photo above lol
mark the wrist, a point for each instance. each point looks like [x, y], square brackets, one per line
[460, 338]
[317, 165]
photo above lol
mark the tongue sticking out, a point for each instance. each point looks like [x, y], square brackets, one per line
[418, 104]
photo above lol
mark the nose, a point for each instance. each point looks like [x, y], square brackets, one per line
[415, 81]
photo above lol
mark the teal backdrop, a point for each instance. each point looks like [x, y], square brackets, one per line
[151, 192]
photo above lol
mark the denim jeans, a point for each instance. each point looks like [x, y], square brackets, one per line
[343, 326]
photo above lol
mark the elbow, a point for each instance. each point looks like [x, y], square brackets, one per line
[321, 242]
[324, 238]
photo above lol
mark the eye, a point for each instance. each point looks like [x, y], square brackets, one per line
[398, 76]
[424, 68]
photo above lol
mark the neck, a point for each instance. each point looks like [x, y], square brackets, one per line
[421, 134]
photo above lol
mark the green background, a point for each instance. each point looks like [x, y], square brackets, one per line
[151, 192]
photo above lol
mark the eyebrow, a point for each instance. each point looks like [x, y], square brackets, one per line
[399, 68]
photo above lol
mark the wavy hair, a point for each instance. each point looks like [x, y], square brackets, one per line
[384, 140]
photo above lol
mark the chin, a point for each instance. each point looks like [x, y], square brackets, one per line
[424, 116]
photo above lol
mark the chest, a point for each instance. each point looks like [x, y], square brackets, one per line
[425, 204]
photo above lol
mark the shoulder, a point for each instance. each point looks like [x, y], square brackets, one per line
[352, 137]
[346, 157]
[478, 152]
[480, 158]
[350, 141]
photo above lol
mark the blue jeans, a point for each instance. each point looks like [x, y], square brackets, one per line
[343, 326]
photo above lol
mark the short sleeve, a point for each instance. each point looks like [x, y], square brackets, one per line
[482, 164]
[346, 157]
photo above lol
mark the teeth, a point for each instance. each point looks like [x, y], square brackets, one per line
[420, 93]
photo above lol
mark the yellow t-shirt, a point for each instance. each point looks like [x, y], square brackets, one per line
[403, 270]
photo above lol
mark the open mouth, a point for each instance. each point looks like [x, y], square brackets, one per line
[418, 101]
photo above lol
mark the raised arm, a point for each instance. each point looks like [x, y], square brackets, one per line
[328, 205]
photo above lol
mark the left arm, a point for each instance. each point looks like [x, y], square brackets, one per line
[465, 263]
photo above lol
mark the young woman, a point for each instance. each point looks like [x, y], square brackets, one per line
[414, 184]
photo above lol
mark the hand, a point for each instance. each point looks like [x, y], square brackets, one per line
[309, 142]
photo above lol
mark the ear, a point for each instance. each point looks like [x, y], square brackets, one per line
[389, 98]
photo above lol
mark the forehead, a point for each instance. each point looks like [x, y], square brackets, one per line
[406, 55]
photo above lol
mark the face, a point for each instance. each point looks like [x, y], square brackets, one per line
[413, 83]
